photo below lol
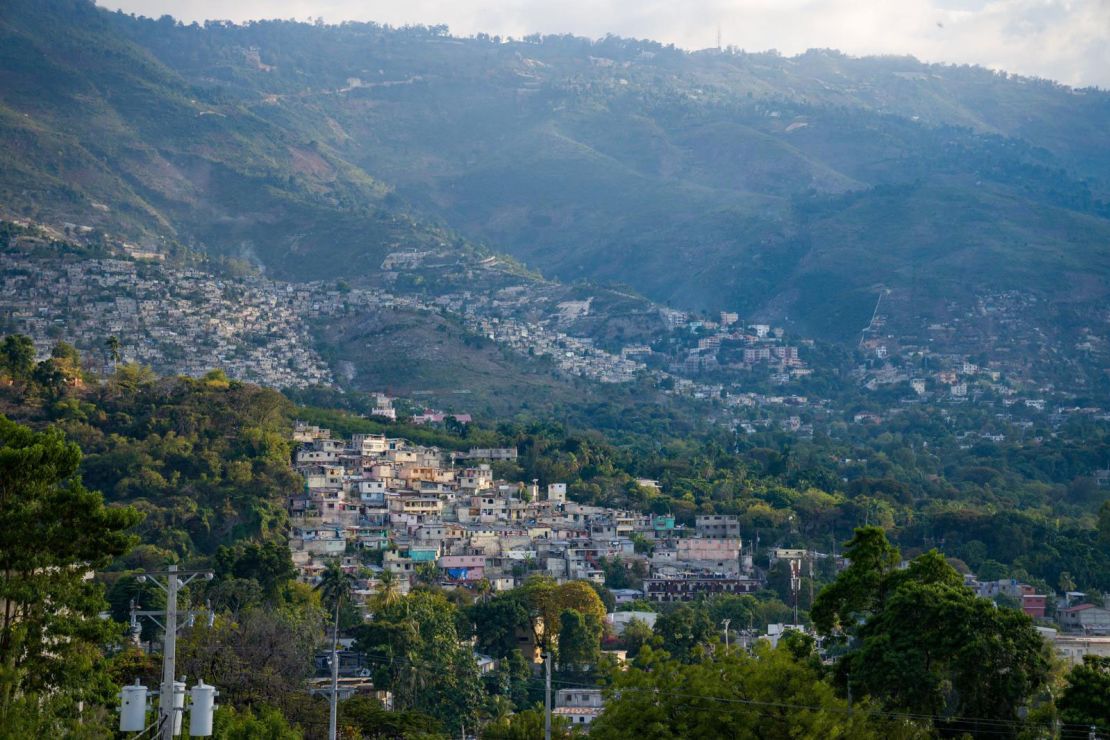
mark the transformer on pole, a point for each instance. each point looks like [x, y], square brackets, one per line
[171, 694]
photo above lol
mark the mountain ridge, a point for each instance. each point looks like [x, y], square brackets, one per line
[784, 188]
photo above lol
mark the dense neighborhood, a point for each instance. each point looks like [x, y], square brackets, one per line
[754, 376]
[426, 515]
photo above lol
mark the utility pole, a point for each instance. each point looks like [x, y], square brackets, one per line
[333, 715]
[795, 584]
[726, 623]
[169, 712]
[811, 579]
[547, 696]
[169, 656]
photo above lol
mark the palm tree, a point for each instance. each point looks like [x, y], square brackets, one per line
[483, 589]
[334, 586]
[388, 589]
[112, 343]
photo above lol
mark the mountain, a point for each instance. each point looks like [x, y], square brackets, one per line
[791, 189]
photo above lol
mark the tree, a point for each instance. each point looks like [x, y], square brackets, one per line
[939, 650]
[262, 657]
[1085, 701]
[498, 622]
[579, 642]
[17, 353]
[67, 358]
[512, 680]
[389, 591]
[415, 647]
[54, 532]
[370, 720]
[526, 725]
[248, 724]
[546, 600]
[636, 635]
[769, 696]
[49, 379]
[112, 344]
[268, 564]
[336, 585]
[683, 631]
[861, 588]
[426, 574]
[926, 644]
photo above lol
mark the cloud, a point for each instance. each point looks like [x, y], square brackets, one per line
[1064, 40]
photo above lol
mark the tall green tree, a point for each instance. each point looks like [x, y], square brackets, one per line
[686, 631]
[389, 590]
[579, 643]
[1085, 702]
[50, 380]
[336, 585]
[112, 344]
[67, 358]
[54, 534]
[499, 621]
[926, 644]
[17, 353]
[414, 645]
[636, 635]
[268, 564]
[546, 600]
[939, 650]
[862, 588]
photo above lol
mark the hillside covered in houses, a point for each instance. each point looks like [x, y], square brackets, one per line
[369, 382]
[503, 546]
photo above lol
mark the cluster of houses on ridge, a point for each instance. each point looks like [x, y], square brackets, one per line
[443, 516]
[431, 515]
[175, 320]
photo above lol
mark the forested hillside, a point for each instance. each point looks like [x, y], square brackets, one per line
[197, 471]
[791, 188]
[207, 463]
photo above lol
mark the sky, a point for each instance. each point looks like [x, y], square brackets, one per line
[1063, 40]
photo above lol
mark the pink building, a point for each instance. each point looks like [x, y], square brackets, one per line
[463, 567]
[723, 549]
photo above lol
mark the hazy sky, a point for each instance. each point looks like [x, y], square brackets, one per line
[1065, 40]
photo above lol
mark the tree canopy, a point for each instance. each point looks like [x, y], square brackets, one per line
[55, 534]
[925, 644]
[770, 695]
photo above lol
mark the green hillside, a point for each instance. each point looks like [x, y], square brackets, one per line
[791, 189]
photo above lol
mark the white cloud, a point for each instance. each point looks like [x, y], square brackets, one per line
[1065, 40]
